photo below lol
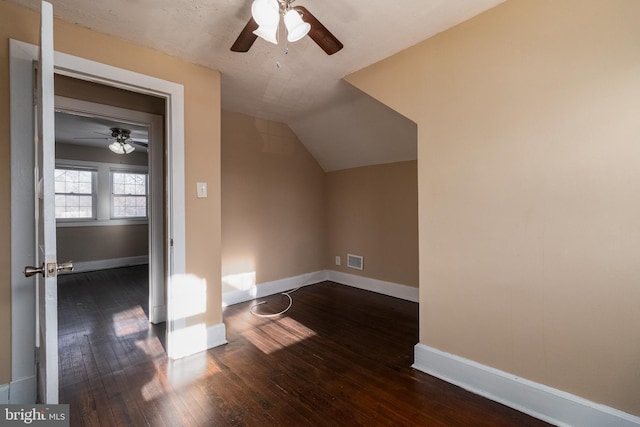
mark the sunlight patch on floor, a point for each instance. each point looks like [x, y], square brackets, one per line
[152, 390]
[152, 347]
[127, 322]
[278, 334]
[179, 374]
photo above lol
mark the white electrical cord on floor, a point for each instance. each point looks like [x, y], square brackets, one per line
[274, 314]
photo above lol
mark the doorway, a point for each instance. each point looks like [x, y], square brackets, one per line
[22, 56]
[115, 198]
[124, 198]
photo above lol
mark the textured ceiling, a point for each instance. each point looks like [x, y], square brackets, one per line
[295, 83]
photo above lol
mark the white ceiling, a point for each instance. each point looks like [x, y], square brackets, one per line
[339, 125]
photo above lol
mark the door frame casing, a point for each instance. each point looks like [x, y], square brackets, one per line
[21, 58]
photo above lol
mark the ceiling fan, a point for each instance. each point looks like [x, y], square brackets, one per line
[265, 17]
[123, 142]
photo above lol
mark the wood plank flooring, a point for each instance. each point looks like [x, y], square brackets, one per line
[339, 357]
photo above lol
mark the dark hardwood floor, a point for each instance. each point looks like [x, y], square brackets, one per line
[339, 357]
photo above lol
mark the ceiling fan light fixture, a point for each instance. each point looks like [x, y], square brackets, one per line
[266, 13]
[128, 148]
[267, 33]
[116, 147]
[296, 27]
[120, 145]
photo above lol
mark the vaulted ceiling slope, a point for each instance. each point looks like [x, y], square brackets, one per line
[295, 83]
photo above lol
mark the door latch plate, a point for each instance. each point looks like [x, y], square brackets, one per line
[52, 269]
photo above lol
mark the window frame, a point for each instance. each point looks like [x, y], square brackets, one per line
[112, 195]
[102, 204]
[94, 192]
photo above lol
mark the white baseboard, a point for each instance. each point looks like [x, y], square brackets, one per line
[404, 292]
[271, 288]
[4, 394]
[23, 390]
[189, 340]
[159, 314]
[540, 401]
[105, 264]
[216, 335]
[262, 290]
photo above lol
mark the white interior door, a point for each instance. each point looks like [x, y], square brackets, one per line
[47, 282]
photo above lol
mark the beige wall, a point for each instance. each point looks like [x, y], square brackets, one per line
[108, 95]
[80, 244]
[373, 211]
[528, 174]
[202, 148]
[272, 202]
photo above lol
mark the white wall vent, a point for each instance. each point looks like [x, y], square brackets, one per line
[355, 261]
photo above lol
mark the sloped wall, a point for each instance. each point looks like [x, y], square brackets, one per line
[272, 203]
[283, 216]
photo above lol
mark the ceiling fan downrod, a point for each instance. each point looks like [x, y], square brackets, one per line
[285, 6]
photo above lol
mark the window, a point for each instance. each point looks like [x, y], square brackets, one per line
[128, 195]
[75, 193]
[92, 193]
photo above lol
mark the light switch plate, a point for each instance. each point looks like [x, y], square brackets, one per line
[201, 189]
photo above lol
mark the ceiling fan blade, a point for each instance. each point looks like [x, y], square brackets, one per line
[246, 38]
[319, 33]
[140, 142]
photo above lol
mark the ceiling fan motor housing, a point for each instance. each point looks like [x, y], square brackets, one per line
[120, 135]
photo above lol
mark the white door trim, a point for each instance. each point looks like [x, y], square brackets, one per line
[22, 56]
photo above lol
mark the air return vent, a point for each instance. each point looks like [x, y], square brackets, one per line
[355, 261]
